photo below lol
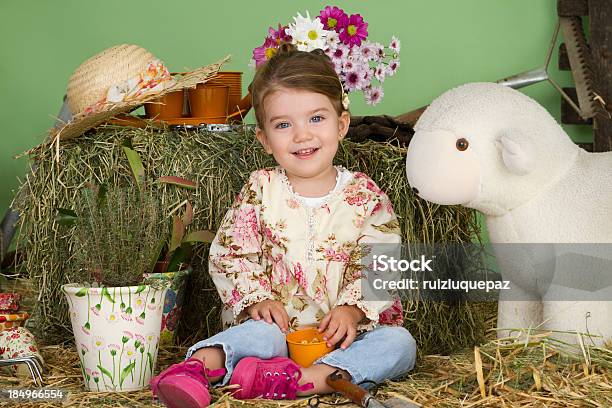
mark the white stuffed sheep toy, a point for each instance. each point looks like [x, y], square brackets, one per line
[491, 148]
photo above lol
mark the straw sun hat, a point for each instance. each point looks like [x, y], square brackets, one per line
[118, 80]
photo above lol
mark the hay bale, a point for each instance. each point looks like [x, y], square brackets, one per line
[220, 163]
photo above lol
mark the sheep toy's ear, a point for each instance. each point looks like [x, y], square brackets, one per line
[518, 152]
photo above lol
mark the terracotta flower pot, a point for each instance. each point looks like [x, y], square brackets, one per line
[237, 105]
[167, 107]
[116, 332]
[208, 100]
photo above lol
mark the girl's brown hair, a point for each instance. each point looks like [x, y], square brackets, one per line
[289, 68]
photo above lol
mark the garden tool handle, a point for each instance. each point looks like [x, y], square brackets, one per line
[352, 391]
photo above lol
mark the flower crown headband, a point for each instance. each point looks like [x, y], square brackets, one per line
[361, 65]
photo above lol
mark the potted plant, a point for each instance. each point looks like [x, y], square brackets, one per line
[174, 266]
[174, 255]
[116, 315]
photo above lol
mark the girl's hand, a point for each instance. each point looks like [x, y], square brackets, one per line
[340, 322]
[270, 310]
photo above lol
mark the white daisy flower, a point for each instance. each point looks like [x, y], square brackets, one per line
[332, 40]
[308, 34]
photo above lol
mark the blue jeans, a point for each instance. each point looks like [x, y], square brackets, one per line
[385, 352]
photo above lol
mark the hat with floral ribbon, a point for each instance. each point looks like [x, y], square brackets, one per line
[118, 80]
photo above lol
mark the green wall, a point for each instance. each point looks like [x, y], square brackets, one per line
[444, 43]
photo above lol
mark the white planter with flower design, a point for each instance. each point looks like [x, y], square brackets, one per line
[116, 331]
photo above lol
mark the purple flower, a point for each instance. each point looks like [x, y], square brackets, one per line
[279, 35]
[355, 78]
[333, 18]
[367, 51]
[367, 74]
[355, 31]
[380, 72]
[340, 53]
[374, 95]
[347, 65]
[395, 44]
[265, 51]
[392, 67]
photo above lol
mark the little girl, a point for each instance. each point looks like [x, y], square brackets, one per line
[287, 254]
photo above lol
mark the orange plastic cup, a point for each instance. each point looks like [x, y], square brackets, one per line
[304, 348]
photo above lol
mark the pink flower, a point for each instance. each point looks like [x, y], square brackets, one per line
[374, 95]
[355, 79]
[392, 67]
[395, 44]
[380, 72]
[389, 207]
[245, 232]
[347, 65]
[298, 272]
[378, 51]
[358, 199]
[279, 35]
[265, 51]
[355, 31]
[333, 18]
[367, 51]
[265, 283]
[236, 297]
[367, 77]
[340, 53]
[341, 257]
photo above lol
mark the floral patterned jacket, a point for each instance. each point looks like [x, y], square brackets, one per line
[270, 245]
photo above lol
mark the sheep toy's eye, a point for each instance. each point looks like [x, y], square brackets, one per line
[462, 144]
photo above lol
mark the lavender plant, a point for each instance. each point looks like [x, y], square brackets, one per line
[117, 236]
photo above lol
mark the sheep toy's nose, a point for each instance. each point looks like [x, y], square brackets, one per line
[415, 190]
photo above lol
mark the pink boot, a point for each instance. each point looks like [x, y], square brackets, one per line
[276, 378]
[184, 385]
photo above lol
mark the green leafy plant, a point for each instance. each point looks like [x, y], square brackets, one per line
[176, 252]
[115, 232]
